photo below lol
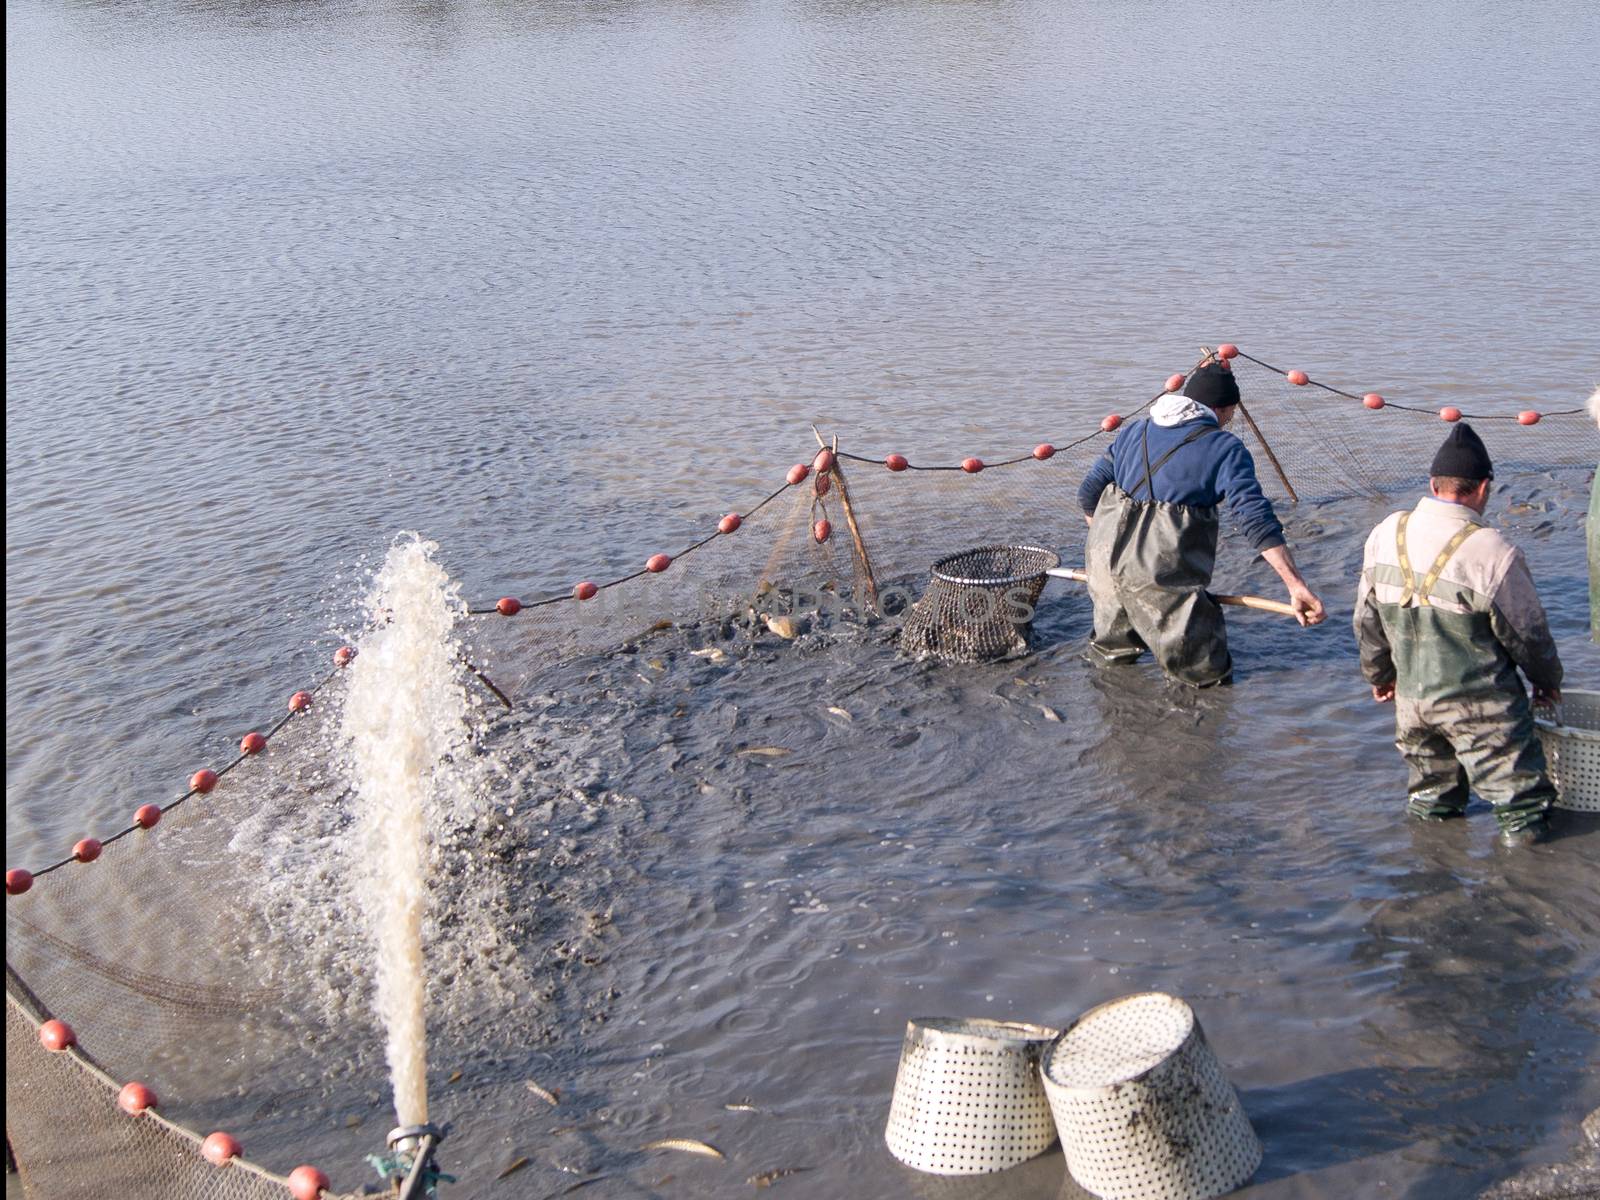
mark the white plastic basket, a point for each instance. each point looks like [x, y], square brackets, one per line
[967, 1099]
[1571, 737]
[1142, 1107]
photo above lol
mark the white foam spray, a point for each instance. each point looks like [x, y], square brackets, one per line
[403, 726]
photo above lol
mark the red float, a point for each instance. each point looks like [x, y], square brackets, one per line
[1043, 451]
[586, 590]
[823, 483]
[798, 473]
[1298, 378]
[972, 465]
[299, 702]
[219, 1147]
[205, 779]
[343, 656]
[1227, 350]
[1450, 413]
[730, 523]
[55, 1036]
[658, 563]
[508, 606]
[1528, 418]
[86, 849]
[18, 881]
[147, 816]
[1174, 382]
[1372, 400]
[823, 462]
[896, 462]
[307, 1183]
[1111, 423]
[252, 743]
[822, 530]
[134, 1098]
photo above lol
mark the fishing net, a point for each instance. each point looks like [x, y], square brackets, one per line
[216, 938]
[979, 605]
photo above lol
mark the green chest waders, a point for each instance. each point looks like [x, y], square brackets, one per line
[1149, 564]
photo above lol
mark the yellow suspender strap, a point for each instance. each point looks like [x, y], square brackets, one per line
[1406, 573]
[1425, 589]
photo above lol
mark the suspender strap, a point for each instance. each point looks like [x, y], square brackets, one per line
[1424, 590]
[1149, 480]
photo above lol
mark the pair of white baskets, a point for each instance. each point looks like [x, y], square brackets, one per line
[1135, 1094]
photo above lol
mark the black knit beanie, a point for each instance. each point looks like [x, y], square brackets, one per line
[1212, 385]
[1463, 456]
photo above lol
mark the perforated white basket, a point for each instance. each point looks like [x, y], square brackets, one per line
[967, 1098]
[1571, 739]
[1142, 1107]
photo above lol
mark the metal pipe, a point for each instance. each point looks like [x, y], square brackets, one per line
[418, 1143]
[415, 1186]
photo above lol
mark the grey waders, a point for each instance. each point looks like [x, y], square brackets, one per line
[1149, 564]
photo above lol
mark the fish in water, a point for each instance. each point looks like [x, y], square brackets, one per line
[741, 1106]
[549, 1097]
[1050, 714]
[686, 1145]
[840, 712]
[514, 1167]
[766, 751]
[784, 627]
[768, 1178]
[710, 652]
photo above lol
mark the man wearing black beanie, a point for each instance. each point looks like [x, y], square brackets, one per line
[1152, 506]
[1446, 615]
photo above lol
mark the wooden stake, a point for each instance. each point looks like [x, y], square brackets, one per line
[1208, 354]
[870, 581]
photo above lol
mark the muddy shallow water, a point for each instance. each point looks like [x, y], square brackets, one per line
[1406, 1009]
[559, 283]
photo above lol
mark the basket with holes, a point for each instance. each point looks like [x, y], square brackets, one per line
[1571, 736]
[967, 1098]
[1142, 1106]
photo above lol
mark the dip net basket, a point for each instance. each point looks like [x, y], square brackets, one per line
[1571, 736]
[979, 605]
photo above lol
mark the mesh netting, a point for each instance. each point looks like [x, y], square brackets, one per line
[72, 1142]
[979, 605]
[186, 944]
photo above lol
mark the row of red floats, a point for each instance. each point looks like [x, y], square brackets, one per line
[305, 1182]
[822, 465]
[821, 530]
[148, 816]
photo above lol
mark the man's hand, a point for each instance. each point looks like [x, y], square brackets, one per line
[1383, 693]
[1546, 696]
[1308, 609]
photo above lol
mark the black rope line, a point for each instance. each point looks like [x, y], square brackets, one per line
[272, 732]
[1387, 403]
[494, 609]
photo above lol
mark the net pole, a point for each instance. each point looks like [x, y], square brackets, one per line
[871, 581]
[1271, 457]
[1208, 354]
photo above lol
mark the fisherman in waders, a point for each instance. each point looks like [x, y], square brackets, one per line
[1151, 504]
[1446, 614]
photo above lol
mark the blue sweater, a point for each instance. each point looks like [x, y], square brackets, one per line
[1213, 467]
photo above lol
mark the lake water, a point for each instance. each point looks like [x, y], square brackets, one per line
[556, 283]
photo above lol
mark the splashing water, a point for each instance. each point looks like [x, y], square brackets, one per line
[403, 726]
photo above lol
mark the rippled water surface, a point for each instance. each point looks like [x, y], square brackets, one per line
[556, 284]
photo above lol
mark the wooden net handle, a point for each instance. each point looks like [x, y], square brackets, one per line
[1259, 603]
